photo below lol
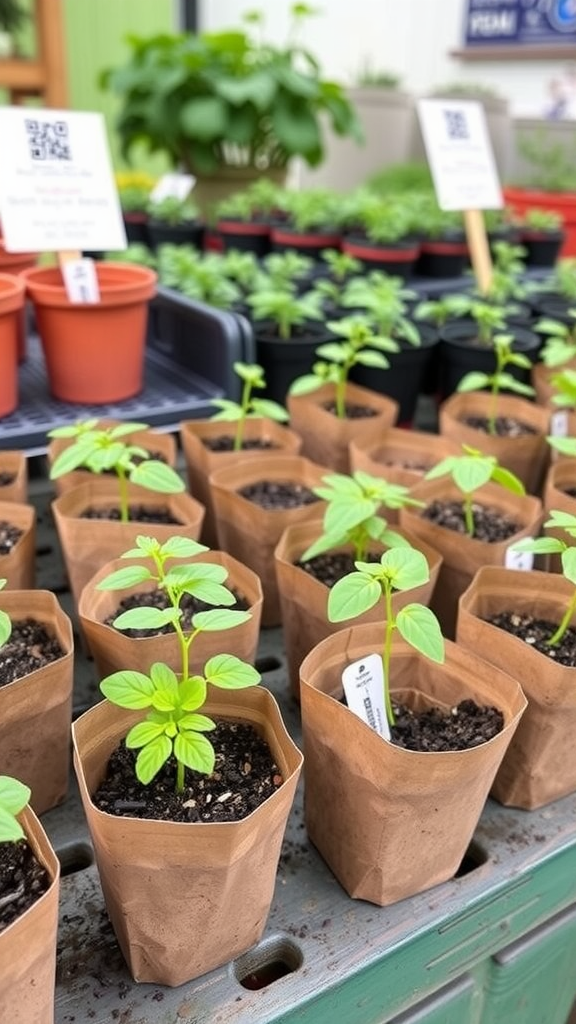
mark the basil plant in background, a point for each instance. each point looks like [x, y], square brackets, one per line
[252, 376]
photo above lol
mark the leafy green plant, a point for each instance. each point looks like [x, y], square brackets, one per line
[173, 211]
[174, 726]
[312, 209]
[5, 623]
[359, 346]
[241, 267]
[197, 275]
[340, 264]
[101, 449]
[252, 376]
[440, 310]
[382, 220]
[410, 176]
[563, 279]
[134, 198]
[471, 471]
[542, 220]
[258, 201]
[352, 513]
[564, 384]
[560, 344]
[136, 252]
[488, 317]
[552, 163]
[383, 298]
[399, 569]
[283, 269]
[500, 380]
[552, 546]
[14, 797]
[286, 310]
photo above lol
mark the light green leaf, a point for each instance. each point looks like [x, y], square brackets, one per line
[5, 628]
[192, 693]
[539, 546]
[406, 567]
[146, 618]
[373, 359]
[198, 723]
[305, 385]
[182, 547]
[442, 468]
[10, 828]
[14, 795]
[352, 596]
[270, 410]
[157, 476]
[507, 479]
[419, 627]
[563, 520]
[471, 473]
[151, 759]
[568, 559]
[230, 673]
[344, 513]
[143, 733]
[211, 593]
[122, 579]
[474, 381]
[128, 689]
[218, 618]
[195, 751]
[122, 429]
[180, 575]
[327, 542]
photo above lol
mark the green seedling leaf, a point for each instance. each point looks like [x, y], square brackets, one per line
[352, 596]
[474, 381]
[539, 545]
[568, 559]
[230, 673]
[146, 618]
[373, 359]
[151, 759]
[305, 385]
[182, 547]
[195, 751]
[405, 567]
[14, 795]
[217, 619]
[143, 733]
[503, 476]
[269, 410]
[562, 520]
[192, 693]
[5, 628]
[122, 579]
[199, 723]
[564, 445]
[471, 473]
[419, 627]
[128, 689]
[211, 593]
[121, 429]
[442, 468]
[157, 476]
[191, 573]
[10, 828]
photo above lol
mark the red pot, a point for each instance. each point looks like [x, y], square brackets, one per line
[520, 200]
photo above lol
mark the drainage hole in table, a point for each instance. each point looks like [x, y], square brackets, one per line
[267, 963]
[74, 857]
[267, 663]
[474, 858]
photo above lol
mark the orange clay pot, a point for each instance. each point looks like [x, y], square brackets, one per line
[11, 312]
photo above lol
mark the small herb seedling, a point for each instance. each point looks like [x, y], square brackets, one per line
[352, 513]
[471, 471]
[500, 380]
[173, 725]
[560, 345]
[286, 310]
[359, 346]
[442, 309]
[14, 797]
[102, 449]
[557, 546]
[252, 376]
[399, 569]
[564, 384]
[341, 264]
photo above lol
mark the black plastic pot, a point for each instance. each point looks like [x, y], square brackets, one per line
[136, 226]
[554, 306]
[460, 352]
[283, 361]
[443, 257]
[407, 376]
[190, 233]
[309, 243]
[542, 247]
[245, 236]
[398, 258]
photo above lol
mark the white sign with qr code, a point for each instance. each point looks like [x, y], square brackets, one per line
[57, 188]
[363, 683]
[460, 154]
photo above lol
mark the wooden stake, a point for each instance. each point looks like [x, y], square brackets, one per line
[479, 249]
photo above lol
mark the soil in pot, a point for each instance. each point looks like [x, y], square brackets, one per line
[352, 410]
[461, 727]
[490, 525]
[276, 494]
[332, 566]
[189, 605]
[245, 775]
[28, 648]
[537, 633]
[136, 514]
[9, 537]
[22, 881]
[506, 426]
[225, 443]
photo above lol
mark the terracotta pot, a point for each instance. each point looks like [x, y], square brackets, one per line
[94, 352]
[15, 263]
[35, 710]
[154, 442]
[325, 437]
[28, 945]
[15, 465]
[11, 313]
[462, 556]
[527, 456]
[250, 533]
[88, 543]
[304, 599]
[539, 765]
[201, 462]
[540, 375]
[113, 650]
[520, 200]
[392, 822]
[18, 567]
[561, 475]
[227, 871]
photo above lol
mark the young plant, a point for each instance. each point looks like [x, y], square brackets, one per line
[283, 269]
[383, 298]
[359, 345]
[471, 471]
[286, 310]
[174, 726]
[173, 211]
[252, 377]
[542, 220]
[352, 515]
[560, 344]
[557, 546]
[439, 311]
[102, 450]
[500, 380]
[340, 264]
[564, 383]
[399, 569]
[14, 796]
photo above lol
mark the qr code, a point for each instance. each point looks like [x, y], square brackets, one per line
[456, 124]
[48, 140]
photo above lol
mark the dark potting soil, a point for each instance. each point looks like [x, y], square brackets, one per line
[536, 632]
[9, 537]
[506, 426]
[158, 599]
[6, 478]
[331, 566]
[136, 514]
[22, 881]
[225, 443]
[28, 648]
[490, 525]
[352, 410]
[244, 775]
[278, 494]
[416, 467]
[466, 725]
[570, 491]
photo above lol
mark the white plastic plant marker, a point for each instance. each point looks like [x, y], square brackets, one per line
[521, 560]
[177, 186]
[559, 423]
[80, 279]
[363, 683]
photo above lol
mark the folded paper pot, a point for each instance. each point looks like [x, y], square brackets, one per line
[392, 822]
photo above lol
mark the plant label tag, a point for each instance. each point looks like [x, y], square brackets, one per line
[559, 423]
[80, 280]
[460, 154]
[523, 560]
[363, 683]
[177, 186]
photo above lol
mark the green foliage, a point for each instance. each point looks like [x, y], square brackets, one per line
[341, 264]
[283, 269]
[564, 384]
[285, 309]
[259, 199]
[542, 220]
[102, 449]
[508, 273]
[173, 211]
[136, 252]
[399, 178]
[381, 219]
[556, 545]
[252, 376]
[501, 379]
[14, 797]
[563, 279]
[552, 163]
[242, 268]
[471, 471]
[383, 298]
[399, 569]
[5, 623]
[560, 344]
[312, 209]
[198, 275]
[134, 198]
[443, 309]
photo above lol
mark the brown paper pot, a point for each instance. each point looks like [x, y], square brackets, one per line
[463, 556]
[88, 543]
[540, 380]
[392, 822]
[562, 474]
[14, 463]
[539, 765]
[325, 437]
[113, 650]
[35, 711]
[184, 899]
[304, 600]
[249, 532]
[28, 945]
[18, 567]
[201, 462]
[526, 456]
[154, 442]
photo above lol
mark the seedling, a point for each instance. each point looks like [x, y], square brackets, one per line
[557, 546]
[285, 309]
[341, 264]
[173, 211]
[500, 380]
[443, 309]
[102, 449]
[359, 345]
[564, 384]
[5, 623]
[173, 725]
[560, 345]
[471, 471]
[384, 300]
[14, 796]
[352, 513]
[399, 569]
[284, 268]
[542, 220]
[252, 376]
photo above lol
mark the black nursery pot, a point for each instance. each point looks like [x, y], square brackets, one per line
[283, 361]
[554, 306]
[460, 352]
[136, 227]
[398, 258]
[308, 243]
[245, 236]
[190, 233]
[542, 247]
[443, 257]
[407, 376]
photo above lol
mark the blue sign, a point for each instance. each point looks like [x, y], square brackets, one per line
[520, 22]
